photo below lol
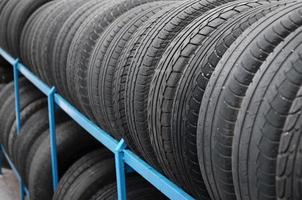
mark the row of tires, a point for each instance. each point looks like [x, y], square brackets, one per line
[86, 169]
[206, 91]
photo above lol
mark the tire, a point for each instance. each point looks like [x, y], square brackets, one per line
[227, 87]
[49, 29]
[175, 150]
[8, 90]
[137, 189]
[216, 145]
[72, 143]
[64, 40]
[289, 160]
[30, 132]
[21, 13]
[29, 32]
[85, 40]
[139, 60]
[7, 117]
[86, 176]
[27, 111]
[27, 96]
[105, 56]
[5, 15]
[261, 120]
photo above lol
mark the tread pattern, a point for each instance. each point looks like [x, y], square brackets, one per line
[262, 117]
[21, 12]
[105, 56]
[85, 40]
[215, 128]
[99, 164]
[35, 125]
[289, 161]
[64, 40]
[72, 143]
[143, 54]
[137, 188]
[166, 143]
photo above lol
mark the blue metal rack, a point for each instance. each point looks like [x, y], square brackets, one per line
[125, 160]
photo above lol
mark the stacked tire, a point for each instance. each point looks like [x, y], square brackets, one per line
[206, 91]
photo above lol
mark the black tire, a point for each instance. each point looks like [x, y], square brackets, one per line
[8, 90]
[81, 48]
[289, 161]
[30, 131]
[137, 189]
[5, 15]
[173, 141]
[140, 57]
[27, 111]
[27, 96]
[21, 12]
[262, 117]
[104, 60]
[64, 40]
[29, 32]
[7, 114]
[72, 143]
[86, 176]
[49, 29]
[224, 93]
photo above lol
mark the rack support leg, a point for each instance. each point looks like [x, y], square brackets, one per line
[17, 95]
[53, 140]
[120, 170]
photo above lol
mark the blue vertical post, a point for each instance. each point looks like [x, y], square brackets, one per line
[21, 188]
[53, 140]
[120, 170]
[17, 94]
[1, 159]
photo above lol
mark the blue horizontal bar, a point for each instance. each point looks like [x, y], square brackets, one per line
[13, 168]
[155, 178]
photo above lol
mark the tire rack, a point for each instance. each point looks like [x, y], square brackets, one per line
[125, 160]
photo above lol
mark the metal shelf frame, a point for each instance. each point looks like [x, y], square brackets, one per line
[125, 160]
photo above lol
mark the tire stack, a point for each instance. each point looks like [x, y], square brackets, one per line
[208, 92]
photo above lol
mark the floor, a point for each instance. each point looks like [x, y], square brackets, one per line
[8, 186]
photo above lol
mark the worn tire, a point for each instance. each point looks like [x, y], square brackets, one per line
[262, 117]
[175, 150]
[63, 42]
[139, 61]
[137, 189]
[289, 160]
[72, 143]
[81, 49]
[26, 113]
[21, 12]
[86, 176]
[104, 60]
[30, 131]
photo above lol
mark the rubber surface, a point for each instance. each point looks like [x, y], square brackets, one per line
[35, 125]
[138, 62]
[176, 147]
[81, 50]
[262, 117]
[72, 143]
[103, 62]
[21, 12]
[289, 161]
[137, 189]
[86, 176]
